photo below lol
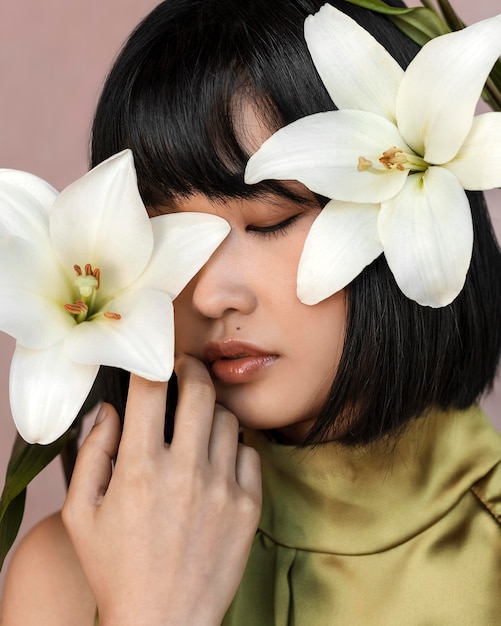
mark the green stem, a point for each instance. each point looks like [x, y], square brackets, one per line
[450, 15]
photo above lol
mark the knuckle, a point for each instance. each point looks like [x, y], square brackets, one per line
[201, 389]
[138, 478]
[228, 419]
[249, 507]
[220, 495]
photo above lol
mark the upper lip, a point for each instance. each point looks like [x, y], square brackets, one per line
[230, 348]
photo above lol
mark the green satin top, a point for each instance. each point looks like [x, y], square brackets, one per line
[402, 533]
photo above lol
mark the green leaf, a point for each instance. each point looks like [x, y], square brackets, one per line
[421, 25]
[381, 7]
[26, 461]
[9, 527]
[496, 73]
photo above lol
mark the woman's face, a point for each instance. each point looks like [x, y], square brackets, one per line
[272, 358]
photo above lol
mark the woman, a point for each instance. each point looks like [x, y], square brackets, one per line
[392, 515]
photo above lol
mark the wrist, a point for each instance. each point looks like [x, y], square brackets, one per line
[145, 617]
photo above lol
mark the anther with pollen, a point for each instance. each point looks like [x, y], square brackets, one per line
[87, 282]
[112, 316]
[393, 158]
[77, 308]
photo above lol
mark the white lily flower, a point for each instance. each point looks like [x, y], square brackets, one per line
[406, 143]
[88, 279]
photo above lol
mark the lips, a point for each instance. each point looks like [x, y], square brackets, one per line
[234, 362]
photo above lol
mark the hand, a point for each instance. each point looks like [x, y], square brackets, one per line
[165, 537]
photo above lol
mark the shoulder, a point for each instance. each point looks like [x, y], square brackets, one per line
[45, 583]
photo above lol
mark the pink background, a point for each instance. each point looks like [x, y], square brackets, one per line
[54, 56]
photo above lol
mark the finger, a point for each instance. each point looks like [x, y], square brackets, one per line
[144, 421]
[195, 408]
[223, 444]
[93, 466]
[248, 471]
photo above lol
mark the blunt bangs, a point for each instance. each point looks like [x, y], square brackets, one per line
[175, 97]
[176, 90]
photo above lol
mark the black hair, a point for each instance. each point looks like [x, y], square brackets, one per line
[171, 98]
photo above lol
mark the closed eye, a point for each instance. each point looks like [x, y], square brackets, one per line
[274, 229]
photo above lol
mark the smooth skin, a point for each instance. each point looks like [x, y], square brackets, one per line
[246, 292]
[165, 538]
[186, 512]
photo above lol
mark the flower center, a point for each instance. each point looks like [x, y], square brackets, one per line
[87, 283]
[395, 159]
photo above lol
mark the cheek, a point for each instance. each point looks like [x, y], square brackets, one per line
[324, 327]
[276, 266]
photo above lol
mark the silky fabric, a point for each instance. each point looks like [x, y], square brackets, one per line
[405, 532]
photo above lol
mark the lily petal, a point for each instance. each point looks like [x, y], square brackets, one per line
[21, 213]
[41, 190]
[183, 243]
[427, 236]
[141, 342]
[32, 285]
[323, 150]
[356, 69]
[478, 162]
[342, 241]
[46, 392]
[441, 87]
[86, 226]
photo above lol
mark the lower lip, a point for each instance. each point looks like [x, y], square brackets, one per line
[241, 370]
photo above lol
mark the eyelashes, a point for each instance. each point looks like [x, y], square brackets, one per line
[275, 230]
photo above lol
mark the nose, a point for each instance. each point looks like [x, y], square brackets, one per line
[225, 283]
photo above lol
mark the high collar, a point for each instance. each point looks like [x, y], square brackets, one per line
[337, 499]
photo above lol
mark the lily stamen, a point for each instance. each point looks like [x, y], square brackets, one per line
[393, 158]
[77, 308]
[112, 316]
[89, 271]
[396, 158]
[97, 275]
[87, 282]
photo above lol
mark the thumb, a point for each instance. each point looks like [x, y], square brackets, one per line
[93, 467]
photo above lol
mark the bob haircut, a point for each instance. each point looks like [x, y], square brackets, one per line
[172, 97]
